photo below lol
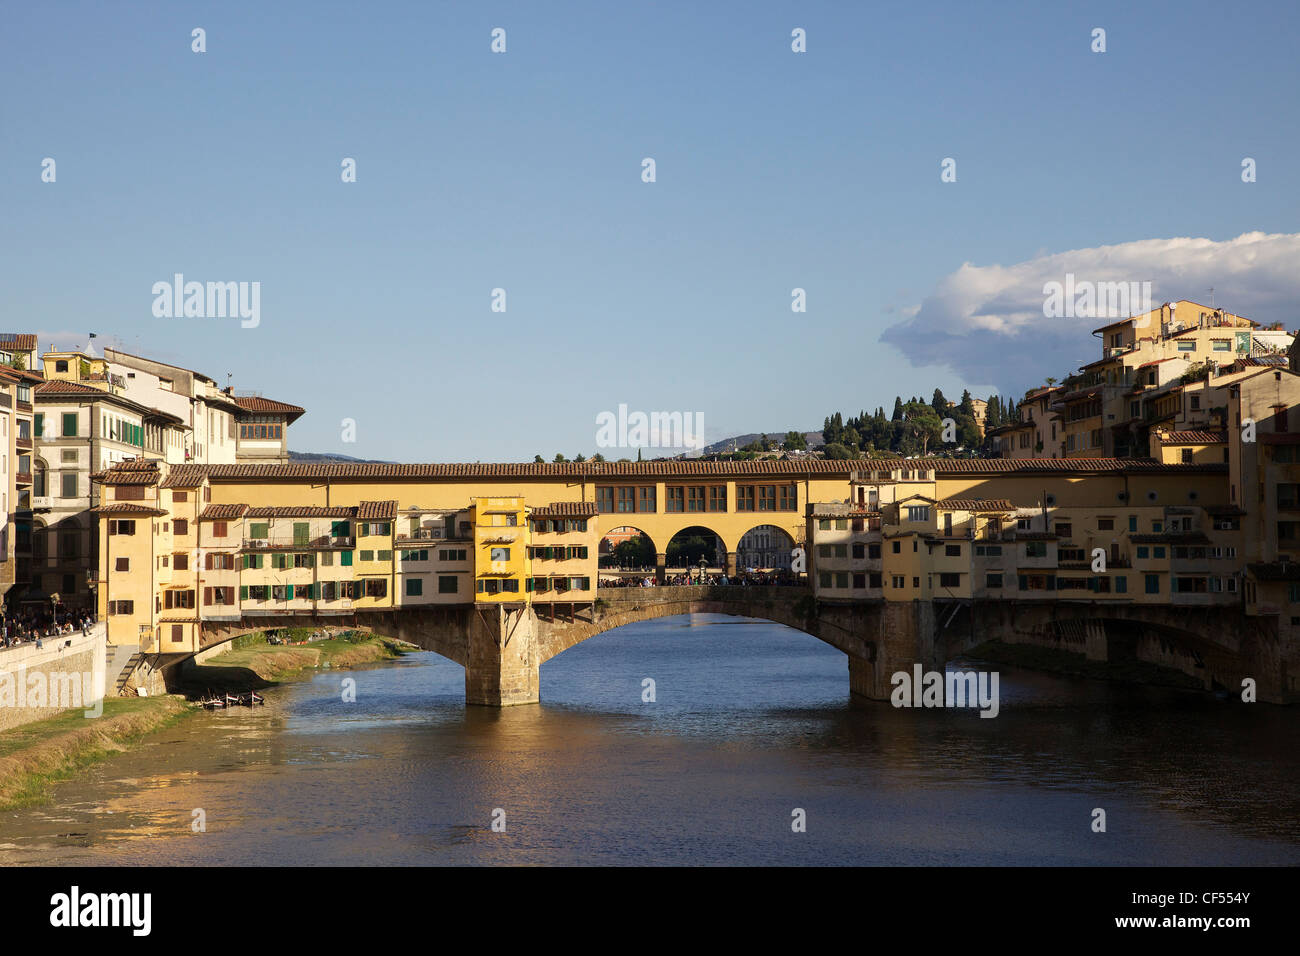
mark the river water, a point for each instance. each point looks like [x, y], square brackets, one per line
[751, 720]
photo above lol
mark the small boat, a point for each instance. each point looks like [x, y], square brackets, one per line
[231, 700]
[254, 698]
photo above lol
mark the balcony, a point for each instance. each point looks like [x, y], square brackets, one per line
[22, 444]
[42, 502]
[23, 478]
[424, 534]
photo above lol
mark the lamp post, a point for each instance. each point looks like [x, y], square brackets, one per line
[54, 606]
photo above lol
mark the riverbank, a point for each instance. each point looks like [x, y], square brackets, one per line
[253, 663]
[38, 755]
[1066, 664]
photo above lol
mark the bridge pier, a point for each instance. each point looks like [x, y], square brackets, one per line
[502, 667]
[905, 636]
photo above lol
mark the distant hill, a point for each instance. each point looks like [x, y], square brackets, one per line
[738, 442]
[309, 457]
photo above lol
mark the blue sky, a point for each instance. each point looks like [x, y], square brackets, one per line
[521, 170]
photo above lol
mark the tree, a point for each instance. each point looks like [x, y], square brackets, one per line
[898, 410]
[939, 403]
[837, 452]
[19, 362]
[558, 457]
[579, 458]
[794, 441]
[537, 458]
[598, 457]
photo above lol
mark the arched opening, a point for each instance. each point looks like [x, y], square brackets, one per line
[695, 550]
[764, 548]
[626, 549]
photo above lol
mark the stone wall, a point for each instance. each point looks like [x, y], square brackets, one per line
[61, 674]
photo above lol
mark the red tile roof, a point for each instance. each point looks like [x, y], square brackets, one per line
[1194, 437]
[266, 406]
[17, 341]
[58, 387]
[301, 511]
[565, 509]
[377, 510]
[127, 508]
[185, 476]
[977, 505]
[222, 512]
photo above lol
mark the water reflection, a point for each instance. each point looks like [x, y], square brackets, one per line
[750, 721]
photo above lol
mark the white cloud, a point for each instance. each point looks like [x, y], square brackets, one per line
[987, 324]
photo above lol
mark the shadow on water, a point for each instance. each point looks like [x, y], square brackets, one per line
[748, 721]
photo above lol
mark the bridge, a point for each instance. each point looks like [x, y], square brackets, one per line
[503, 647]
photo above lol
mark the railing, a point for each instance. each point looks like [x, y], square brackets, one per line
[23, 478]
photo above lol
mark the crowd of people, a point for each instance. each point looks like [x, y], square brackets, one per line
[777, 577]
[32, 626]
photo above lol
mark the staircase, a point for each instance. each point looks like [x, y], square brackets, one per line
[120, 665]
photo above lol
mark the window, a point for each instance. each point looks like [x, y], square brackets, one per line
[898, 581]
[180, 496]
[414, 587]
[447, 584]
[1105, 524]
[258, 530]
[376, 587]
[859, 551]
[122, 564]
[1121, 584]
[121, 607]
[451, 554]
[219, 529]
[718, 498]
[744, 497]
[918, 512]
[1063, 529]
[367, 555]
[993, 581]
[69, 424]
[952, 550]
[181, 526]
[1143, 552]
[626, 500]
[824, 524]
[345, 559]
[1035, 549]
[676, 501]
[841, 579]
[789, 498]
[1187, 345]
[948, 580]
[766, 497]
[69, 484]
[181, 562]
[646, 499]
[121, 527]
[605, 500]
[1153, 583]
[898, 547]
[873, 551]
[696, 498]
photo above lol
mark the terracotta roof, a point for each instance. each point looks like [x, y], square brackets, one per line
[377, 510]
[1157, 361]
[266, 406]
[977, 505]
[127, 508]
[301, 511]
[565, 509]
[133, 471]
[1194, 437]
[185, 476]
[57, 387]
[17, 341]
[222, 512]
[595, 471]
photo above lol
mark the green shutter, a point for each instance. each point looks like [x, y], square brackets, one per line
[288, 592]
[347, 558]
[243, 592]
[38, 424]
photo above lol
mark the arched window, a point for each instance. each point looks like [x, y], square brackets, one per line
[39, 480]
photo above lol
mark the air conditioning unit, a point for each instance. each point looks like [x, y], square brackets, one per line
[1223, 526]
[258, 544]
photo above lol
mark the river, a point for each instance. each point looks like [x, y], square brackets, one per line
[751, 720]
